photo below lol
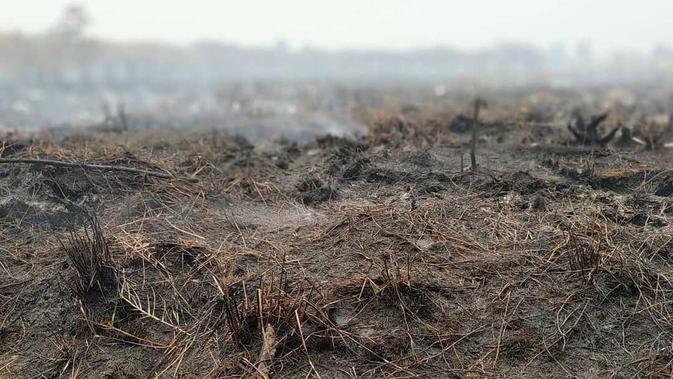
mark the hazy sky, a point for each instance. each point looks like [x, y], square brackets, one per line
[395, 24]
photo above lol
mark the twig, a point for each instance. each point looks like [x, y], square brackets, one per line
[303, 342]
[502, 329]
[164, 175]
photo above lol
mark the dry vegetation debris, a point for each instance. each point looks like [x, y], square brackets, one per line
[376, 257]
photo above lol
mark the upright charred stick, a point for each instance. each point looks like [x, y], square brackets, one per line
[478, 104]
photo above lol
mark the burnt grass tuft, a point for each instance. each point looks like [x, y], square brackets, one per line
[89, 255]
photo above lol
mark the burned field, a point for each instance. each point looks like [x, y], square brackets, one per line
[380, 256]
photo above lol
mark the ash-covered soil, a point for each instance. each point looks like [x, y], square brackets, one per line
[383, 256]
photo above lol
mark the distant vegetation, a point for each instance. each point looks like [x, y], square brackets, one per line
[64, 55]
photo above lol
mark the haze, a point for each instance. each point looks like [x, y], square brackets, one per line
[373, 24]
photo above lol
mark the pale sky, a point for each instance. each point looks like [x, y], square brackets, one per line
[394, 24]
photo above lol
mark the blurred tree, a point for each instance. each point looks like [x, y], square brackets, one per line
[73, 22]
[71, 53]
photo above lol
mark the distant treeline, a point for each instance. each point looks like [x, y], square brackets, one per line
[67, 59]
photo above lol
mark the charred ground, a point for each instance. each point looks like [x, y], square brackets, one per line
[380, 256]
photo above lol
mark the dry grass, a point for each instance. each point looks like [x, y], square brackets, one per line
[231, 277]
